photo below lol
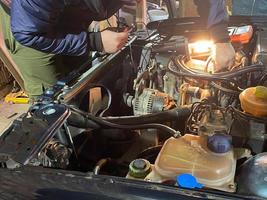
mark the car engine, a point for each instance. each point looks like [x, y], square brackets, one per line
[157, 112]
[179, 72]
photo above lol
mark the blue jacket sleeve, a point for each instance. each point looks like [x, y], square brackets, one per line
[216, 16]
[33, 25]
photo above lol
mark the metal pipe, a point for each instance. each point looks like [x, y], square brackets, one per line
[141, 14]
[100, 164]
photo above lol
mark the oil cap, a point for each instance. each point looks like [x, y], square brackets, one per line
[139, 168]
[220, 143]
[188, 181]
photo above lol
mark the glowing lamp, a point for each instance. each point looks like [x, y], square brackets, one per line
[201, 48]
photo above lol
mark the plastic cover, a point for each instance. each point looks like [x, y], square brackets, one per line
[190, 154]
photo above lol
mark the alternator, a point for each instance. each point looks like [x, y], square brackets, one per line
[152, 101]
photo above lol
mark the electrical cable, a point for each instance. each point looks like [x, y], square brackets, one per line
[197, 111]
[150, 153]
[108, 23]
[144, 59]
[180, 63]
[105, 123]
[223, 89]
[223, 76]
[263, 79]
[247, 116]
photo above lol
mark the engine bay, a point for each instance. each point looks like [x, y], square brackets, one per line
[158, 112]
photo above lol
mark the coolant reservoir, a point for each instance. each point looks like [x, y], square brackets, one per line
[254, 101]
[190, 154]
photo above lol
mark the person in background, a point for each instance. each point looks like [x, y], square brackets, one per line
[47, 39]
[250, 7]
[217, 23]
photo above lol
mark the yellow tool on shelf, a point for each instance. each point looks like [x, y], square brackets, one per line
[17, 98]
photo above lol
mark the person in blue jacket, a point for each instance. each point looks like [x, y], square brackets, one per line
[214, 12]
[250, 7]
[47, 38]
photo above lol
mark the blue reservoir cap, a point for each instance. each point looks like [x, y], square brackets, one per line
[188, 181]
[220, 143]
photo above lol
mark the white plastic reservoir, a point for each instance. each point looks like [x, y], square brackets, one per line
[190, 154]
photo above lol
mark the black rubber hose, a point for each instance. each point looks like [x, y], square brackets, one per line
[105, 123]
[77, 120]
[199, 76]
[223, 89]
[181, 113]
[162, 127]
[249, 117]
[179, 63]
[263, 79]
[247, 69]
[150, 152]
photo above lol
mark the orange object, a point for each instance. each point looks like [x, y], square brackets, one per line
[241, 34]
[252, 104]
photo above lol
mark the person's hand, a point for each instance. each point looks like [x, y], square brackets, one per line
[113, 41]
[223, 56]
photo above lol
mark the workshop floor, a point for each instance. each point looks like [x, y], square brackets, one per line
[9, 112]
